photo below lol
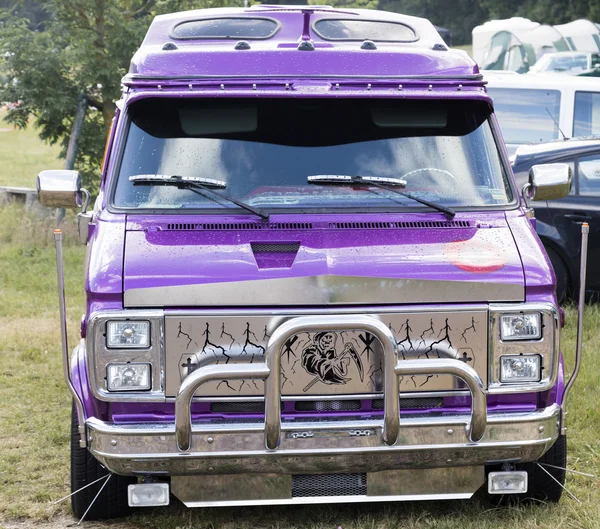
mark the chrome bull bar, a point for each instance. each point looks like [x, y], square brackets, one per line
[393, 367]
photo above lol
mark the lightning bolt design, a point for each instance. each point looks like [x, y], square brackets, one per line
[430, 331]
[406, 340]
[214, 347]
[248, 333]
[445, 338]
[226, 382]
[223, 333]
[470, 328]
[186, 335]
[265, 335]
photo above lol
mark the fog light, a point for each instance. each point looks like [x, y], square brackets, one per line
[520, 368]
[507, 482]
[148, 494]
[128, 377]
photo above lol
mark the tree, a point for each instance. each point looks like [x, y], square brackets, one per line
[84, 49]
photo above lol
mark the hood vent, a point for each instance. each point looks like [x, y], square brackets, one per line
[275, 254]
[240, 226]
[400, 224]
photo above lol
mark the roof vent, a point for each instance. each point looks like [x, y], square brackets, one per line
[242, 45]
[306, 45]
[400, 225]
[368, 45]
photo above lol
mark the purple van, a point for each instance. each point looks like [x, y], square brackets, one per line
[310, 276]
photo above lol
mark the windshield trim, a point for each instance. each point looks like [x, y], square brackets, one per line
[121, 140]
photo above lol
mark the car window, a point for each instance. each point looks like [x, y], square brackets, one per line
[595, 60]
[526, 115]
[587, 114]
[588, 170]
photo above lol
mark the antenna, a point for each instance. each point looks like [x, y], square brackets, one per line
[557, 125]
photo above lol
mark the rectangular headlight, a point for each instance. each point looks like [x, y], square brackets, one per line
[128, 334]
[522, 326]
[520, 368]
[128, 377]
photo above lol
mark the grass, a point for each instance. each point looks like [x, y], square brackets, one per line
[35, 411]
[23, 155]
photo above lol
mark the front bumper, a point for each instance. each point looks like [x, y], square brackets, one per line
[322, 447]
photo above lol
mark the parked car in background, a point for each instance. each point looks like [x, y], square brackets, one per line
[569, 63]
[537, 108]
[558, 222]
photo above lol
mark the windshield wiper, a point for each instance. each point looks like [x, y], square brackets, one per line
[382, 182]
[202, 186]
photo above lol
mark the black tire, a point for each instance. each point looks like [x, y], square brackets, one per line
[561, 273]
[540, 485]
[85, 468]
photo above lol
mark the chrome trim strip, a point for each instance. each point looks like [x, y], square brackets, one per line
[330, 500]
[322, 290]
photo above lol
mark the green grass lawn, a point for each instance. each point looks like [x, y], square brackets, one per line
[35, 413]
[23, 155]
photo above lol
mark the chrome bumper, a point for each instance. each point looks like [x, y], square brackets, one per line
[322, 447]
[325, 447]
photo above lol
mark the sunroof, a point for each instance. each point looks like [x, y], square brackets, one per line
[226, 28]
[347, 29]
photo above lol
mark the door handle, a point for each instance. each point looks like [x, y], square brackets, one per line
[578, 218]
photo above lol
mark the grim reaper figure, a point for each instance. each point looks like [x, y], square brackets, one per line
[321, 359]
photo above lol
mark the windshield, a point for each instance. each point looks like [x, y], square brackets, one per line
[264, 150]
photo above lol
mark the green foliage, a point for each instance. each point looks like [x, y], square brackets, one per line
[85, 48]
[358, 4]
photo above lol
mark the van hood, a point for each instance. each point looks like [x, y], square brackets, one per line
[178, 262]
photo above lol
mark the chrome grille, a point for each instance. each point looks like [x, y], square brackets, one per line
[310, 485]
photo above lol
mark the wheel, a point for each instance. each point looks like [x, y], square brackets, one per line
[85, 468]
[540, 485]
[562, 276]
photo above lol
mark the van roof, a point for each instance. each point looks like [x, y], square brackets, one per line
[297, 42]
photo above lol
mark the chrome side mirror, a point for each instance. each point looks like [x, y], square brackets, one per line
[61, 188]
[548, 182]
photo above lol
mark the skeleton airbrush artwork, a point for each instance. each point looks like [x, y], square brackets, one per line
[310, 275]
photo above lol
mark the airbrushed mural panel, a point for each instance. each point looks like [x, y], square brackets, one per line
[323, 363]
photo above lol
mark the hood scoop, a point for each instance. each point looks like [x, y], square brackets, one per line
[275, 254]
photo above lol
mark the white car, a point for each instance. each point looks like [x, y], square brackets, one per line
[536, 108]
[567, 62]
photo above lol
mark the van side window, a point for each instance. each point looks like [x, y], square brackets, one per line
[586, 120]
[588, 172]
[525, 115]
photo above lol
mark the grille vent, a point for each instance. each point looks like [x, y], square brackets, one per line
[311, 485]
[415, 403]
[274, 247]
[328, 405]
[237, 226]
[238, 407]
[400, 224]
